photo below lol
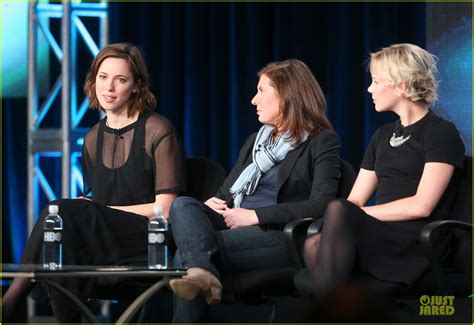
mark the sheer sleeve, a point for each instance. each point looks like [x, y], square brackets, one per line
[164, 146]
[88, 160]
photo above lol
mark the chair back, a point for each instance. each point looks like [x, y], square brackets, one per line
[462, 210]
[347, 180]
[460, 260]
[204, 177]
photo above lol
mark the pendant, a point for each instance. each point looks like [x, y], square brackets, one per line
[398, 141]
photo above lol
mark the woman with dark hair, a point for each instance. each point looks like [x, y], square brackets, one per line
[411, 163]
[288, 170]
[132, 160]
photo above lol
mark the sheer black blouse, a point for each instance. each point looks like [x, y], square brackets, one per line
[131, 165]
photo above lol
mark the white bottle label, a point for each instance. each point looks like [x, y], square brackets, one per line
[51, 236]
[156, 238]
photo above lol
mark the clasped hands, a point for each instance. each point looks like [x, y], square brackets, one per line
[233, 217]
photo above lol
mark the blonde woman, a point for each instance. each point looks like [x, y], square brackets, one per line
[410, 164]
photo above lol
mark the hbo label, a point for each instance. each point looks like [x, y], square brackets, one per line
[154, 238]
[52, 236]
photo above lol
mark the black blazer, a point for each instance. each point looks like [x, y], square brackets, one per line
[307, 180]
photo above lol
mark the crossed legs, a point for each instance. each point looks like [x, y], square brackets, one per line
[330, 256]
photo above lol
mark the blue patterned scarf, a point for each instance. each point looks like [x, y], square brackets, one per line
[266, 154]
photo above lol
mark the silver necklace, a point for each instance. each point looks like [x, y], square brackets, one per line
[398, 141]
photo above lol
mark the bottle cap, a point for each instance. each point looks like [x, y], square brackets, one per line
[157, 210]
[53, 209]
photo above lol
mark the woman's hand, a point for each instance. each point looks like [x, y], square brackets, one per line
[216, 204]
[239, 217]
[84, 198]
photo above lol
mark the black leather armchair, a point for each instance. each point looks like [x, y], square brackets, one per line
[453, 275]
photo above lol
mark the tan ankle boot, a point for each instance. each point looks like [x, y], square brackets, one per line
[198, 281]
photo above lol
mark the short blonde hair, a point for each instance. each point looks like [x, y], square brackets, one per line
[411, 64]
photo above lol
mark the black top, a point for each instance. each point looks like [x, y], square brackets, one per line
[128, 166]
[391, 251]
[136, 162]
[307, 179]
[399, 169]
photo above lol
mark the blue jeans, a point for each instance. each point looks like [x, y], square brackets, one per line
[203, 240]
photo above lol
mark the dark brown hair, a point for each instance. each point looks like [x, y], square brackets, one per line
[142, 100]
[302, 101]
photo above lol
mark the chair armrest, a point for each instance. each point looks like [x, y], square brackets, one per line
[296, 227]
[295, 232]
[426, 233]
[429, 229]
[315, 227]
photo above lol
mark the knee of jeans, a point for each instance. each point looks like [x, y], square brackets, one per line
[180, 206]
[177, 262]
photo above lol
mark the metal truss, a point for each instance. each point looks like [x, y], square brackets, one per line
[63, 141]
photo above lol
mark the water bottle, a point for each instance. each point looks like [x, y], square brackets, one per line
[52, 239]
[157, 240]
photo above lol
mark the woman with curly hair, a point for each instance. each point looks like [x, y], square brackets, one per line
[410, 163]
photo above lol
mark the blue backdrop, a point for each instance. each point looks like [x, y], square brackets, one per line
[203, 60]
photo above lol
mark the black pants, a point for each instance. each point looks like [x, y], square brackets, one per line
[92, 235]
